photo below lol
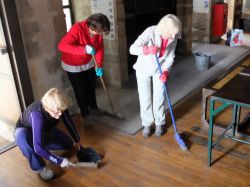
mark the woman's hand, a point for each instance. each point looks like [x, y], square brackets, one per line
[164, 77]
[150, 50]
[77, 145]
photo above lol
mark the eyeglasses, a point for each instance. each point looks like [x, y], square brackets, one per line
[169, 36]
[55, 114]
[94, 31]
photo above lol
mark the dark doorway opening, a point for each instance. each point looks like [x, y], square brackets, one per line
[140, 14]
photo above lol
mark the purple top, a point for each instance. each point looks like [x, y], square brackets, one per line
[40, 122]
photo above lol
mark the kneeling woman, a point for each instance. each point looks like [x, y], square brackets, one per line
[36, 132]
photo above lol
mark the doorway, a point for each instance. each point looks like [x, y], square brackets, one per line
[139, 15]
[15, 84]
[10, 106]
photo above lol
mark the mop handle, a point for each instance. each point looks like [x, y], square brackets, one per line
[166, 92]
[167, 96]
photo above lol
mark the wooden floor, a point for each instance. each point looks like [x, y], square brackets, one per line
[3, 141]
[140, 162]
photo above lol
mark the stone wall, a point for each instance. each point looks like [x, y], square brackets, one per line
[246, 7]
[201, 27]
[43, 25]
[119, 74]
[184, 12]
[81, 9]
[202, 22]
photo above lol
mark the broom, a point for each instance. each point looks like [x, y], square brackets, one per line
[176, 135]
[114, 114]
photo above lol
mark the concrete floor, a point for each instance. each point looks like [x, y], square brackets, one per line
[184, 80]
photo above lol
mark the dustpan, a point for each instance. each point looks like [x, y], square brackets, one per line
[88, 155]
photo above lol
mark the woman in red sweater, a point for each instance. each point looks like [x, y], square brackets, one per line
[83, 40]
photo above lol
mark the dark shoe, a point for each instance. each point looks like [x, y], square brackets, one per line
[158, 130]
[146, 131]
[87, 121]
[45, 173]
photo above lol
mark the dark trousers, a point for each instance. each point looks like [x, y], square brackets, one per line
[54, 140]
[84, 85]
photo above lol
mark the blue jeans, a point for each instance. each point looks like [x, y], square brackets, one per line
[55, 140]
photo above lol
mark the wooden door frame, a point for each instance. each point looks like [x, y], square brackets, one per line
[16, 50]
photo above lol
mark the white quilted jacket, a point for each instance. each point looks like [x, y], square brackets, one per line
[146, 63]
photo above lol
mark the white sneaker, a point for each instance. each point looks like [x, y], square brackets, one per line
[146, 131]
[46, 173]
[158, 130]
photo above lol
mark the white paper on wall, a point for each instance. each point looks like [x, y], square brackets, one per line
[246, 7]
[201, 6]
[105, 7]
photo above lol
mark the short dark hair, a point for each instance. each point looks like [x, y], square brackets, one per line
[99, 22]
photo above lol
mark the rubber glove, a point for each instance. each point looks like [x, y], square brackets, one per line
[164, 77]
[65, 163]
[99, 72]
[89, 50]
[150, 50]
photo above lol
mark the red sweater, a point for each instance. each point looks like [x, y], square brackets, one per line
[164, 44]
[73, 45]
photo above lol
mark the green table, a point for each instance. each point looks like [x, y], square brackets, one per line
[235, 93]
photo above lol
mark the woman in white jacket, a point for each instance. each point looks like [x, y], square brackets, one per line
[159, 40]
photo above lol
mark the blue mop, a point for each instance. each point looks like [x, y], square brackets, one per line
[176, 135]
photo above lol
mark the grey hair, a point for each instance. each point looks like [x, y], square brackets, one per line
[55, 99]
[162, 26]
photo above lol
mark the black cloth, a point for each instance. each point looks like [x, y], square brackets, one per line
[84, 86]
[25, 119]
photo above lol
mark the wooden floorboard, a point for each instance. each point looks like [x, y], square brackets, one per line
[144, 162]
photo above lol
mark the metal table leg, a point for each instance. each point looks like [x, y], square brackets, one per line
[210, 135]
